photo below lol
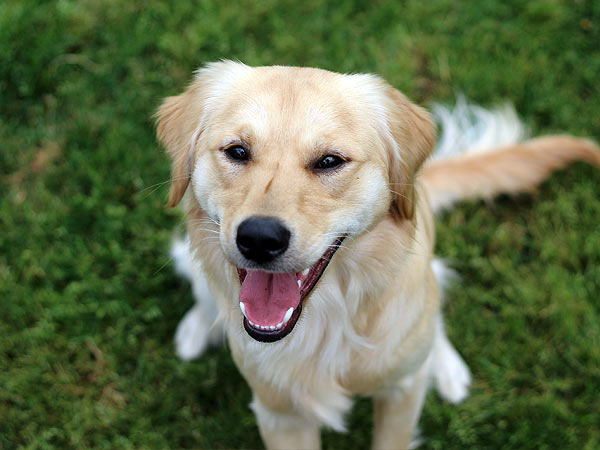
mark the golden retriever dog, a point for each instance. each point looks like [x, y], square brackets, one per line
[310, 234]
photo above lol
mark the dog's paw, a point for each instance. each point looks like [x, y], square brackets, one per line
[452, 376]
[193, 334]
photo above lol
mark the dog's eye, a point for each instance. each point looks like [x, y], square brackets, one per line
[329, 162]
[237, 153]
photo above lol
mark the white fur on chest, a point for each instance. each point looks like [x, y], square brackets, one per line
[324, 361]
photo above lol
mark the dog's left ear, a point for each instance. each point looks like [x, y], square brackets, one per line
[413, 133]
[177, 122]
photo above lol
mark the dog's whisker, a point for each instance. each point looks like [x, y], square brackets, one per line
[216, 222]
[206, 220]
[162, 183]
[157, 186]
[329, 235]
[345, 247]
[207, 230]
[210, 238]
[342, 246]
[164, 265]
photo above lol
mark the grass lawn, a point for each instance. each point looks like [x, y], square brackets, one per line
[88, 299]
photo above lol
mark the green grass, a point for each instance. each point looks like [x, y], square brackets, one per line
[89, 302]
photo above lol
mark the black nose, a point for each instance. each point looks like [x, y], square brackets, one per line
[262, 239]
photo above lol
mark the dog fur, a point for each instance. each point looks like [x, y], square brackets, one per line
[372, 325]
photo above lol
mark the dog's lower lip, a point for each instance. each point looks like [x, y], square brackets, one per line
[274, 335]
[312, 274]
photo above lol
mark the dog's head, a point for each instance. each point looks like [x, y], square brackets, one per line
[289, 162]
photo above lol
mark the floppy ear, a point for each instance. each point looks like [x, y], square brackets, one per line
[177, 122]
[413, 133]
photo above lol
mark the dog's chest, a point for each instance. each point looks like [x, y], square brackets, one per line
[382, 367]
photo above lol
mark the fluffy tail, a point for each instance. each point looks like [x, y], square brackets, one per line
[477, 170]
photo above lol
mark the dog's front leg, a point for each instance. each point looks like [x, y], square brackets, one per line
[285, 430]
[397, 410]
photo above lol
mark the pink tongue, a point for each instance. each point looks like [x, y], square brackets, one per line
[268, 296]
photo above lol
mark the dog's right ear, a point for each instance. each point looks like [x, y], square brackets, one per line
[413, 132]
[177, 125]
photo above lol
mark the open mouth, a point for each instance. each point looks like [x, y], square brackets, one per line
[272, 302]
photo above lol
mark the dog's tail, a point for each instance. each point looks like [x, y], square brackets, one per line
[483, 153]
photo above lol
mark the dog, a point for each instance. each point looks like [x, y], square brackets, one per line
[309, 200]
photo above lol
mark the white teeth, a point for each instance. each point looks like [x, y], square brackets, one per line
[299, 283]
[305, 272]
[285, 320]
[288, 314]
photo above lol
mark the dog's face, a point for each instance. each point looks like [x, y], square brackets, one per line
[289, 162]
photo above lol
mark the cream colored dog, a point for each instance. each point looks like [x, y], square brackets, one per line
[310, 225]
